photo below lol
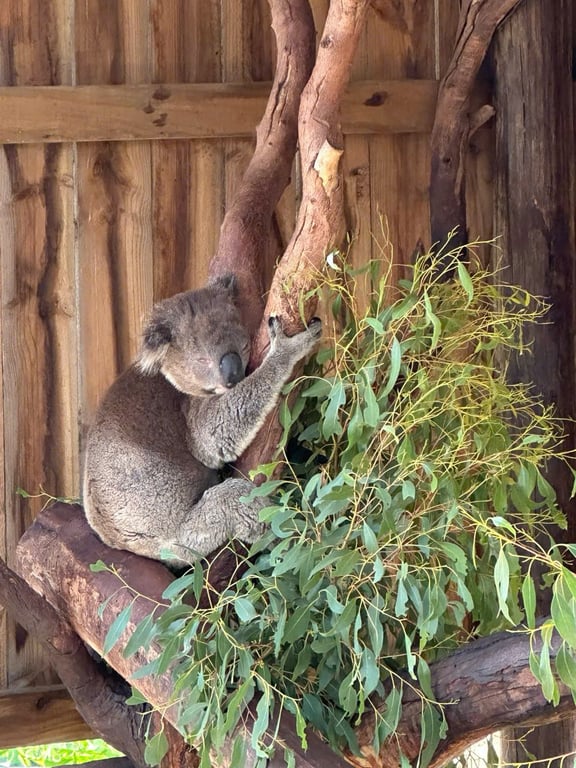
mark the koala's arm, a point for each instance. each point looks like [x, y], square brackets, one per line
[221, 428]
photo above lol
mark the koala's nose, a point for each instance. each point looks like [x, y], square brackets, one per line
[231, 369]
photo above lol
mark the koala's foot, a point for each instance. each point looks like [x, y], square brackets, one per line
[219, 516]
[297, 346]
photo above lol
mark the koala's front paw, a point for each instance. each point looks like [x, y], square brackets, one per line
[296, 346]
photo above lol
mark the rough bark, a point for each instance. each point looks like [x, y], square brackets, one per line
[487, 685]
[319, 226]
[453, 123]
[535, 222]
[99, 694]
[56, 553]
[248, 222]
[488, 682]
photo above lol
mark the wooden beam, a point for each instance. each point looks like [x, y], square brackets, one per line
[39, 716]
[49, 114]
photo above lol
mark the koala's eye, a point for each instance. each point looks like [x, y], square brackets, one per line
[203, 360]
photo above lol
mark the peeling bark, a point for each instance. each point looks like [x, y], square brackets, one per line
[55, 554]
[453, 123]
[99, 694]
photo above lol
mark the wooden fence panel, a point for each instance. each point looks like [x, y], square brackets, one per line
[38, 312]
[91, 233]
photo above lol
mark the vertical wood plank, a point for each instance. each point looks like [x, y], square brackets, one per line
[187, 175]
[38, 309]
[114, 210]
[387, 176]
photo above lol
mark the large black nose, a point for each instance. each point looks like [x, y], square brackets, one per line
[231, 369]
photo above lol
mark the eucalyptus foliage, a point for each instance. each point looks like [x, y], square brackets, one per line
[413, 523]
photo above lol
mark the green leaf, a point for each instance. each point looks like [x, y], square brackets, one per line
[466, 281]
[99, 566]
[529, 600]
[116, 629]
[141, 637]
[156, 749]
[563, 611]
[297, 625]
[394, 370]
[502, 581]
[369, 539]
[336, 399]
[244, 609]
[545, 676]
[566, 666]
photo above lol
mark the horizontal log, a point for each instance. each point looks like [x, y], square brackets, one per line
[486, 684]
[55, 555]
[39, 716]
[49, 114]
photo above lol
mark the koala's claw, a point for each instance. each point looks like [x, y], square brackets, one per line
[274, 326]
[315, 327]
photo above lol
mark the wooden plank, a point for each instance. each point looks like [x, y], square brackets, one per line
[114, 202]
[39, 716]
[398, 43]
[38, 306]
[187, 175]
[204, 110]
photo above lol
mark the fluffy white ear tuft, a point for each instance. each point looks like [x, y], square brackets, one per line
[155, 343]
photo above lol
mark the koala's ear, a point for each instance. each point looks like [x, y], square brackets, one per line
[228, 281]
[155, 342]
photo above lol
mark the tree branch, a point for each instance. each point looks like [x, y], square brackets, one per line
[248, 221]
[484, 685]
[99, 694]
[453, 124]
[320, 217]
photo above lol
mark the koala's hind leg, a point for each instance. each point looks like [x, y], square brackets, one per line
[219, 516]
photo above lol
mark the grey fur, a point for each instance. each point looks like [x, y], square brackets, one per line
[170, 422]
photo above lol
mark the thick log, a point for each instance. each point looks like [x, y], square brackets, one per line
[56, 553]
[99, 694]
[485, 685]
[453, 123]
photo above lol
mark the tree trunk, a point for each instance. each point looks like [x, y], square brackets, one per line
[535, 219]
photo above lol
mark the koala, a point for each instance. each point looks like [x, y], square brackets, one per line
[174, 418]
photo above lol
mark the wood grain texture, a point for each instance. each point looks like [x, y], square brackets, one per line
[385, 180]
[39, 716]
[114, 202]
[535, 217]
[38, 313]
[194, 111]
[188, 176]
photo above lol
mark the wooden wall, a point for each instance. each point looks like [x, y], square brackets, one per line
[125, 126]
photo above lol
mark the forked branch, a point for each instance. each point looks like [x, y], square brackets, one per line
[248, 221]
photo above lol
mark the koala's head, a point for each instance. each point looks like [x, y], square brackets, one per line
[196, 340]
